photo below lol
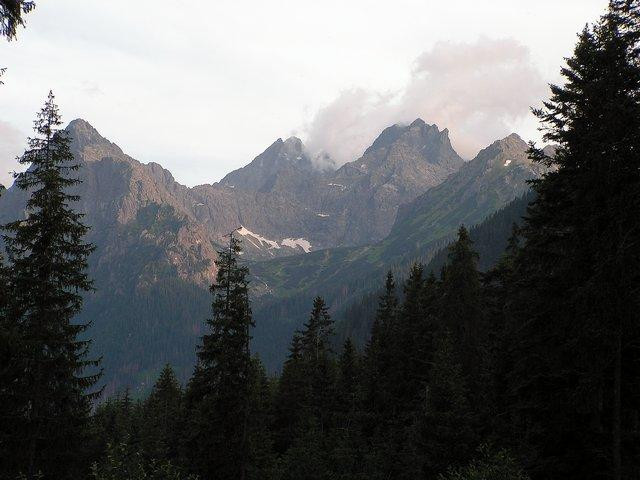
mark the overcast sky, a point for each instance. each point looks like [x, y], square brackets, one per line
[203, 86]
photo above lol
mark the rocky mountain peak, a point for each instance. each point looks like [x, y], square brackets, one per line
[509, 153]
[512, 142]
[293, 145]
[291, 150]
[284, 164]
[427, 139]
[83, 133]
[506, 152]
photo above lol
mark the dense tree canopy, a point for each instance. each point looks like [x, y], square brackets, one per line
[576, 278]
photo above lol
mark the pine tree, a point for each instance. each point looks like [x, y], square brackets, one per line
[11, 16]
[462, 313]
[498, 297]
[317, 333]
[428, 327]
[397, 371]
[348, 390]
[461, 294]
[575, 305]
[378, 356]
[346, 443]
[306, 407]
[447, 436]
[10, 368]
[117, 420]
[163, 418]
[416, 325]
[290, 397]
[410, 326]
[48, 261]
[219, 391]
[319, 366]
[306, 458]
[262, 464]
[122, 461]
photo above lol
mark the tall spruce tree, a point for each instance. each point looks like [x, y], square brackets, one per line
[575, 381]
[319, 364]
[498, 296]
[290, 397]
[461, 294]
[348, 391]
[347, 447]
[306, 399]
[446, 433]
[378, 357]
[48, 256]
[262, 463]
[162, 421]
[219, 391]
[410, 328]
[461, 312]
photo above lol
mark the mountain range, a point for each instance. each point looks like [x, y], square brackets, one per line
[306, 230]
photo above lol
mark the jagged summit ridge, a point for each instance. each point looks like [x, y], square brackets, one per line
[508, 151]
[284, 164]
[84, 134]
[511, 141]
[281, 193]
[418, 133]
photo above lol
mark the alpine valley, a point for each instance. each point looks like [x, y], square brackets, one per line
[305, 231]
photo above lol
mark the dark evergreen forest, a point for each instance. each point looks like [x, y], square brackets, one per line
[529, 370]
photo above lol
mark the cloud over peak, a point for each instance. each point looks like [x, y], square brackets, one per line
[479, 91]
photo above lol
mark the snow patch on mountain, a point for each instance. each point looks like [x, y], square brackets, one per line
[261, 242]
[297, 242]
[249, 235]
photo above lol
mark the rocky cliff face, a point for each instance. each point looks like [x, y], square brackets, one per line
[280, 203]
[130, 205]
[283, 167]
[353, 205]
[362, 197]
[497, 175]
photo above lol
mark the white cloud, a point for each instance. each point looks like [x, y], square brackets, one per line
[204, 89]
[480, 91]
[12, 143]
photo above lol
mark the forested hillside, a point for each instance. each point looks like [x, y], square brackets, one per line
[490, 239]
